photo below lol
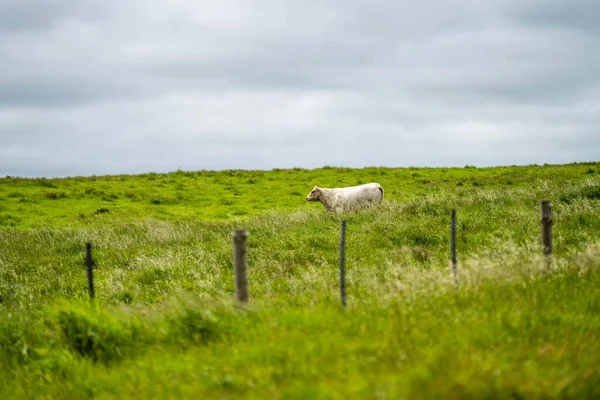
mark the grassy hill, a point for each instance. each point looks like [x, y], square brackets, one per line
[164, 323]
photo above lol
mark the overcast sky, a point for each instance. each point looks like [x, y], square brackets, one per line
[122, 86]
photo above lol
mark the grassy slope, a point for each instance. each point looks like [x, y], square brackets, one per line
[165, 323]
[210, 196]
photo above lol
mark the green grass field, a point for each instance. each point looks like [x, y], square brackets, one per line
[165, 323]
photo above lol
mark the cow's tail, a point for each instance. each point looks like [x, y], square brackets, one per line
[381, 190]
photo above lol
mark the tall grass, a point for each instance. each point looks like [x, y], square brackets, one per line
[164, 323]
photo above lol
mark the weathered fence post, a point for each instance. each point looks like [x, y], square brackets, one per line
[240, 264]
[546, 221]
[90, 272]
[453, 242]
[343, 262]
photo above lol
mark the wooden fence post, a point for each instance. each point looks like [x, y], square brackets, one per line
[453, 242]
[240, 266]
[90, 271]
[343, 262]
[546, 221]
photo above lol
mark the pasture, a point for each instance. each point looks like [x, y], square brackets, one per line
[165, 324]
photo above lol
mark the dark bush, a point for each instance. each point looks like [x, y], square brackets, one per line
[55, 195]
[98, 335]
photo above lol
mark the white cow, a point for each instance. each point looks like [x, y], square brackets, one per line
[349, 198]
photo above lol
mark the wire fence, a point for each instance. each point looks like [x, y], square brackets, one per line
[240, 255]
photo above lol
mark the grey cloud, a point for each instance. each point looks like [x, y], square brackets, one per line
[567, 14]
[51, 93]
[16, 15]
[66, 92]
[42, 15]
[516, 64]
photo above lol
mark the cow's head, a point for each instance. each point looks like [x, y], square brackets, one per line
[314, 194]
